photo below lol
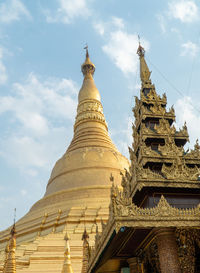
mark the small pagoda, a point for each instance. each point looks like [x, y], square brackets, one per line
[154, 221]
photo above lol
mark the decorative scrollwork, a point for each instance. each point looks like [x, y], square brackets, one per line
[179, 170]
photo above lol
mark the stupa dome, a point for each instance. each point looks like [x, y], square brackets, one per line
[77, 195]
[83, 172]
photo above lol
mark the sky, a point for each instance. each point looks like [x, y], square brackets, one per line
[41, 52]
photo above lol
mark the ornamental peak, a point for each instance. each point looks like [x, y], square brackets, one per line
[144, 70]
[67, 267]
[87, 68]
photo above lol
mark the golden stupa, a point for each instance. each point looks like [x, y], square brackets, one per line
[77, 195]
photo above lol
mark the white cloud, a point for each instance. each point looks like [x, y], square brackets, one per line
[189, 49]
[162, 23]
[38, 110]
[107, 27]
[3, 72]
[186, 111]
[23, 192]
[12, 10]
[67, 11]
[100, 28]
[117, 22]
[184, 10]
[121, 46]
[29, 153]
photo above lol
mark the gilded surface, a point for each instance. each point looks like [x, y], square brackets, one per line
[158, 143]
[67, 267]
[70, 202]
[124, 213]
[158, 159]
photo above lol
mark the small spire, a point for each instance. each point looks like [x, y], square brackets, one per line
[85, 260]
[144, 70]
[10, 260]
[87, 68]
[67, 267]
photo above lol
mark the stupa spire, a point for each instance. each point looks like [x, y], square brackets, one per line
[90, 123]
[144, 70]
[67, 267]
[83, 171]
[10, 260]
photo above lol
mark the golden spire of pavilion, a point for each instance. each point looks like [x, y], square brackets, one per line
[67, 267]
[144, 70]
[10, 260]
[85, 238]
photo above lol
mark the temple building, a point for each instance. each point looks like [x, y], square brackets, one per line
[146, 218]
[77, 194]
[154, 221]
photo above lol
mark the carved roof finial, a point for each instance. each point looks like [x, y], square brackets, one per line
[144, 70]
[140, 50]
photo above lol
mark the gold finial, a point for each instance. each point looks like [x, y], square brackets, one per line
[66, 238]
[144, 70]
[140, 50]
[14, 215]
[13, 230]
[86, 48]
[87, 68]
[67, 267]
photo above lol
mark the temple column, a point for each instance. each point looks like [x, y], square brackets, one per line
[133, 265]
[167, 250]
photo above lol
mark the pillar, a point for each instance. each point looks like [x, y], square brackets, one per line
[167, 250]
[133, 265]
